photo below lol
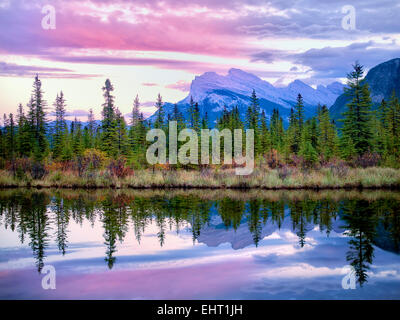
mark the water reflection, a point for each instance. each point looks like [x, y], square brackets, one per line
[370, 219]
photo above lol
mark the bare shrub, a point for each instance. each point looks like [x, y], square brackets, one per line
[338, 167]
[38, 170]
[368, 159]
[284, 171]
[119, 169]
[273, 159]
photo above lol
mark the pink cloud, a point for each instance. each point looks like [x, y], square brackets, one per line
[206, 281]
[180, 85]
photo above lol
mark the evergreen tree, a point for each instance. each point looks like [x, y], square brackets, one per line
[24, 134]
[191, 112]
[39, 120]
[253, 121]
[298, 121]
[77, 138]
[159, 123]
[60, 127]
[393, 125]
[327, 135]
[357, 118]
[91, 131]
[108, 122]
[307, 149]
[137, 134]
[276, 131]
[265, 135]
[122, 140]
[10, 136]
[196, 118]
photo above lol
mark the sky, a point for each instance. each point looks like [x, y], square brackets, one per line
[147, 47]
[211, 268]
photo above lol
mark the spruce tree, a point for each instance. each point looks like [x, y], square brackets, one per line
[91, 130]
[276, 130]
[10, 136]
[357, 118]
[24, 134]
[253, 121]
[122, 141]
[60, 127]
[265, 135]
[39, 120]
[108, 122]
[327, 135]
[77, 139]
[159, 123]
[393, 125]
[298, 122]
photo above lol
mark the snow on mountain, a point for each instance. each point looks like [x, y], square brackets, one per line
[243, 83]
[214, 91]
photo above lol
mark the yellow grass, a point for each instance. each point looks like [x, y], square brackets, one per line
[373, 177]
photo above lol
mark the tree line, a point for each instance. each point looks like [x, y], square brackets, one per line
[37, 217]
[372, 135]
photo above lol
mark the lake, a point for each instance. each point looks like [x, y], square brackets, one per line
[200, 244]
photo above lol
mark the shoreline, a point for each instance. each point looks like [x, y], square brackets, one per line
[261, 179]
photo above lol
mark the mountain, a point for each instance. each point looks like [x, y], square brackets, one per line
[382, 80]
[213, 91]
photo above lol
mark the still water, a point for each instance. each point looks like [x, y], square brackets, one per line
[200, 244]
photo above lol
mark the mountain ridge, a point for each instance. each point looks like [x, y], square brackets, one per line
[213, 91]
[382, 80]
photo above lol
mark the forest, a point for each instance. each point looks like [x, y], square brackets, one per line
[360, 150]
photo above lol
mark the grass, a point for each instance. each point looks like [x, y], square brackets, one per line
[325, 178]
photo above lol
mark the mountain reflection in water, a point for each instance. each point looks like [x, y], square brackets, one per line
[290, 238]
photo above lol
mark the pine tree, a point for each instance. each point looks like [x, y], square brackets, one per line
[91, 131]
[277, 131]
[2, 148]
[10, 136]
[298, 122]
[24, 134]
[357, 118]
[327, 135]
[393, 125]
[191, 112]
[77, 139]
[292, 144]
[122, 141]
[60, 127]
[253, 121]
[108, 122]
[159, 123]
[178, 117]
[307, 149]
[196, 118]
[265, 135]
[39, 120]
[135, 111]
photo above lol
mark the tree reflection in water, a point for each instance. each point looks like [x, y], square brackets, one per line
[370, 218]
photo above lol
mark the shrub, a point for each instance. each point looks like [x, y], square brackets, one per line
[273, 159]
[338, 167]
[283, 172]
[118, 168]
[38, 171]
[368, 159]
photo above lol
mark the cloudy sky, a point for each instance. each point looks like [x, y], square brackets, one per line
[148, 47]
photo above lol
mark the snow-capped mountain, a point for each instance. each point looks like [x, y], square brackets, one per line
[214, 91]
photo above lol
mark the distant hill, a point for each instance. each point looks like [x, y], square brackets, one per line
[382, 80]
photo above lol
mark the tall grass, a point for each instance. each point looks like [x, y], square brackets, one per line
[373, 177]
